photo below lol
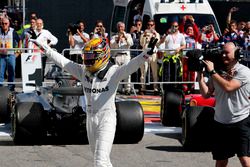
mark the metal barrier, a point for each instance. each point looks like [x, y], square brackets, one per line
[23, 50]
[76, 59]
[161, 78]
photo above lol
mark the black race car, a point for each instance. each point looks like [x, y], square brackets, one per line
[55, 112]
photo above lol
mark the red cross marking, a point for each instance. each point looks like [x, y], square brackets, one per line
[183, 7]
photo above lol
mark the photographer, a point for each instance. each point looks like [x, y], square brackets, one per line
[208, 36]
[99, 30]
[152, 62]
[231, 120]
[77, 40]
[186, 22]
[123, 41]
[136, 32]
[232, 35]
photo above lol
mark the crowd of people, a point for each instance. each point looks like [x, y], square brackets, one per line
[97, 72]
[127, 45]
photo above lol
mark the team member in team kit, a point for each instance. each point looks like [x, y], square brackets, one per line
[100, 79]
[231, 120]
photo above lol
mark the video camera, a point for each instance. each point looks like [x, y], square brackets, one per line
[73, 28]
[196, 57]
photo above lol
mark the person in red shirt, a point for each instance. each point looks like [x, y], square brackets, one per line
[208, 36]
[187, 21]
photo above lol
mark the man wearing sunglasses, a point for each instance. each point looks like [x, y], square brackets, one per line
[8, 39]
[100, 79]
[174, 43]
[144, 41]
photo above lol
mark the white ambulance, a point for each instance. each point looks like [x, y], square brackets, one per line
[163, 12]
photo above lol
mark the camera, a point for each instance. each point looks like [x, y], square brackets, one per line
[73, 28]
[196, 57]
[208, 28]
[99, 30]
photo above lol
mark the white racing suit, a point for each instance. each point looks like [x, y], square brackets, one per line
[100, 90]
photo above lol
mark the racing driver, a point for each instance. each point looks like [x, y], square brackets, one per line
[100, 79]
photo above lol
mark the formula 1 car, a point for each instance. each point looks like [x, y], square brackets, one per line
[193, 113]
[197, 122]
[56, 113]
[4, 105]
[182, 108]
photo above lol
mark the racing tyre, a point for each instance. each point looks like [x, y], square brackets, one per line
[27, 123]
[197, 128]
[171, 107]
[130, 122]
[4, 108]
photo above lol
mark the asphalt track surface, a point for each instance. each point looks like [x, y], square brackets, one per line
[160, 147]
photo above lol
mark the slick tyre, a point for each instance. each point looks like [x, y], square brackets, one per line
[27, 123]
[171, 108]
[4, 108]
[130, 122]
[197, 128]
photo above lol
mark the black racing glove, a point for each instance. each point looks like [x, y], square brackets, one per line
[32, 34]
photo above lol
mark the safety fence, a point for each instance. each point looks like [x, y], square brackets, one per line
[170, 69]
[19, 53]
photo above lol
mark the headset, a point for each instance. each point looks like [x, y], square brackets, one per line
[238, 52]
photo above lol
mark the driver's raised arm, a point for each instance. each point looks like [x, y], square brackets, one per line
[75, 69]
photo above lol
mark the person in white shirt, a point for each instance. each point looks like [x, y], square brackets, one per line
[122, 40]
[175, 42]
[99, 30]
[44, 36]
[77, 42]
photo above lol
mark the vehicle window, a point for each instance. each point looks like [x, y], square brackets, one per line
[146, 18]
[119, 14]
[163, 21]
[133, 8]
